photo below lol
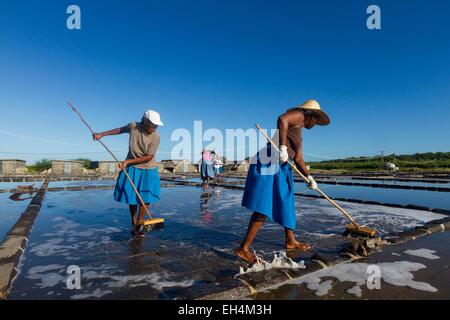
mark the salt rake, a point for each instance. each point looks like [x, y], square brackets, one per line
[149, 224]
[352, 228]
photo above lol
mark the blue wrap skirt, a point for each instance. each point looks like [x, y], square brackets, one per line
[271, 192]
[146, 182]
[206, 170]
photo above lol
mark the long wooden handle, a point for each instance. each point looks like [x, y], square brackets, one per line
[114, 157]
[292, 164]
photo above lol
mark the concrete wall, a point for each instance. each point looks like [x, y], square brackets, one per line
[177, 166]
[67, 168]
[243, 167]
[161, 168]
[107, 167]
[11, 167]
[185, 166]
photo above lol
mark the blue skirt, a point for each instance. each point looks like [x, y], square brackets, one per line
[271, 192]
[146, 182]
[206, 170]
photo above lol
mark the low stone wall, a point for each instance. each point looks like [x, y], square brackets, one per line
[12, 248]
[32, 178]
[381, 185]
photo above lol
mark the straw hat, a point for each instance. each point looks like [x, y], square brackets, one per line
[314, 106]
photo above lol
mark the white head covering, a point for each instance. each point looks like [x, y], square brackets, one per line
[154, 117]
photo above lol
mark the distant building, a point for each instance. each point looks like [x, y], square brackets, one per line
[178, 166]
[67, 167]
[242, 166]
[105, 167]
[12, 167]
[391, 167]
[161, 168]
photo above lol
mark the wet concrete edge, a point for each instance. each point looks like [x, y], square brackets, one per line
[385, 186]
[13, 247]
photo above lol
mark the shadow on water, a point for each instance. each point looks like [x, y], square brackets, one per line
[19, 196]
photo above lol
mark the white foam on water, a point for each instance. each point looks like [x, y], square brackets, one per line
[41, 269]
[48, 280]
[316, 284]
[321, 235]
[158, 281]
[51, 279]
[399, 273]
[52, 247]
[280, 260]
[109, 230]
[423, 253]
[97, 293]
[88, 275]
[319, 214]
[356, 290]
[87, 233]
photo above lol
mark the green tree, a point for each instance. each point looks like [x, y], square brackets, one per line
[86, 162]
[40, 165]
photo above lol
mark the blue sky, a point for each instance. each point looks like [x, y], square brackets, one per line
[228, 63]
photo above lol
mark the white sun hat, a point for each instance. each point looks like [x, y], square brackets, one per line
[154, 117]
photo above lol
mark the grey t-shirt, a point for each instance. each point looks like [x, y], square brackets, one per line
[141, 144]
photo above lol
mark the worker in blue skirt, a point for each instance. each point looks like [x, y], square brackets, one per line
[140, 165]
[269, 188]
[206, 168]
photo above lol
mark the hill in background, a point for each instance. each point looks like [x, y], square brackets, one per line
[430, 161]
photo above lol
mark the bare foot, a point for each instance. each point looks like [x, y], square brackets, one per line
[246, 255]
[136, 229]
[298, 246]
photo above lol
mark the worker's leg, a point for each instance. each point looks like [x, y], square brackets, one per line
[142, 212]
[133, 209]
[292, 243]
[203, 182]
[255, 224]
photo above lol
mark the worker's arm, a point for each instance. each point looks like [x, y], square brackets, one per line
[286, 120]
[144, 159]
[98, 136]
[300, 164]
